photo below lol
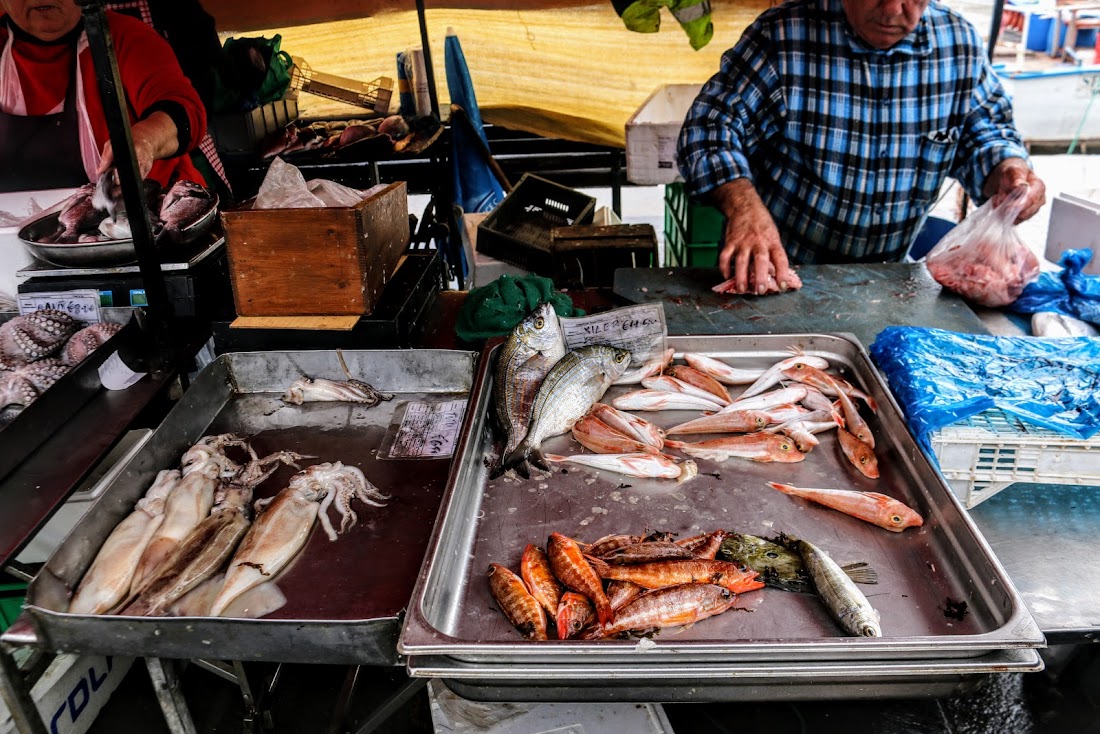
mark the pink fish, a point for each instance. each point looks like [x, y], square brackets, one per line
[860, 454]
[808, 374]
[653, 367]
[877, 509]
[701, 380]
[721, 371]
[674, 385]
[660, 400]
[762, 447]
[595, 435]
[739, 421]
[630, 425]
[773, 375]
[853, 421]
[765, 401]
[632, 465]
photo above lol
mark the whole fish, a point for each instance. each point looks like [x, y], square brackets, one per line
[701, 380]
[841, 596]
[183, 205]
[784, 413]
[522, 610]
[762, 447]
[633, 465]
[667, 383]
[653, 367]
[774, 374]
[657, 550]
[803, 430]
[109, 578]
[783, 396]
[609, 543]
[721, 371]
[309, 390]
[810, 374]
[877, 509]
[597, 436]
[860, 454]
[573, 570]
[531, 351]
[704, 546]
[816, 400]
[737, 421]
[660, 400]
[778, 565]
[630, 425]
[536, 573]
[568, 392]
[853, 421]
[659, 574]
[674, 606]
[574, 613]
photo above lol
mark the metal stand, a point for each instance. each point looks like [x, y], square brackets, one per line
[17, 697]
[166, 684]
[390, 706]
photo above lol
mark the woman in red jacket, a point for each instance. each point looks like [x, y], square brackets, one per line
[53, 133]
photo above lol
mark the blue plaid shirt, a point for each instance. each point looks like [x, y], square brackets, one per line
[848, 145]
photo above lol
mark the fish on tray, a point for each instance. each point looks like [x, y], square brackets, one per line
[774, 374]
[704, 546]
[877, 509]
[653, 367]
[661, 400]
[574, 613]
[761, 447]
[769, 400]
[630, 425]
[519, 606]
[535, 570]
[597, 436]
[809, 374]
[780, 566]
[315, 390]
[737, 421]
[845, 602]
[701, 380]
[568, 392]
[646, 552]
[721, 371]
[667, 383]
[860, 455]
[674, 606]
[574, 571]
[853, 421]
[641, 465]
[659, 574]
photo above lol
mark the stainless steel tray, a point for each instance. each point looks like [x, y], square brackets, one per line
[344, 598]
[452, 613]
[720, 681]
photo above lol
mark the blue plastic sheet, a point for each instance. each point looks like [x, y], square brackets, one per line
[941, 377]
[1070, 291]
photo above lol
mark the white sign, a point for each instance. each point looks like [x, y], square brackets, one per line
[428, 430]
[115, 375]
[82, 305]
[639, 329]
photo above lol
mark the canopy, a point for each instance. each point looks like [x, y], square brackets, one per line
[563, 69]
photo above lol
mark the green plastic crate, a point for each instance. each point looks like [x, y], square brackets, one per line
[692, 231]
[11, 603]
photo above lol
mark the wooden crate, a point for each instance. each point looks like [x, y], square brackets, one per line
[588, 255]
[333, 261]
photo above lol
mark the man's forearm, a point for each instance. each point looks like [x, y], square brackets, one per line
[734, 196]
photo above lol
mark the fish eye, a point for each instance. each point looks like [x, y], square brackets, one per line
[799, 366]
[772, 554]
[540, 322]
[760, 422]
[863, 460]
[785, 446]
[896, 518]
[620, 357]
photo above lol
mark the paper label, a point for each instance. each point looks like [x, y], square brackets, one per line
[640, 329]
[666, 151]
[428, 430]
[115, 375]
[82, 305]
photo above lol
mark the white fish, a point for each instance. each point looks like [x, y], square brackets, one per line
[845, 602]
[774, 374]
[785, 413]
[660, 400]
[783, 396]
[653, 367]
[633, 465]
[673, 385]
[721, 371]
[630, 425]
[816, 400]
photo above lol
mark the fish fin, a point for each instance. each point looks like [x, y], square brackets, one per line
[861, 573]
[675, 444]
[537, 458]
[784, 488]
[871, 402]
[517, 460]
[604, 613]
[601, 567]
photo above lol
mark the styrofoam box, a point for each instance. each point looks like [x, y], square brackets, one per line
[1074, 223]
[652, 131]
[13, 255]
[71, 692]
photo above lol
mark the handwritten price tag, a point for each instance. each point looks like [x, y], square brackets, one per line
[82, 305]
[428, 430]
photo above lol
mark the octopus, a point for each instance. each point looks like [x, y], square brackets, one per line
[86, 341]
[24, 384]
[308, 390]
[284, 523]
[35, 335]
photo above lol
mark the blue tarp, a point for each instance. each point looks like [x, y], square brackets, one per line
[941, 377]
[1070, 292]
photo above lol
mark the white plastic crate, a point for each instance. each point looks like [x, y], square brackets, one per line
[983, 454]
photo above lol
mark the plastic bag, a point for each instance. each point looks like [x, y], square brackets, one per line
[1070, 291]
[983, 259]
[284, 187]
[941, 377]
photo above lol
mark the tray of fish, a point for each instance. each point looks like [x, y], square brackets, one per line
[265, 518]
[721, 516]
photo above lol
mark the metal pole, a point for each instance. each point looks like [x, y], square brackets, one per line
[995, 26]
[115, 109]
[14, 694]
[433, 98]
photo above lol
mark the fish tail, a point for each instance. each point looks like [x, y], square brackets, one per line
[871, 402]
[784, 488]
[555, 458]
[604, 612]
[536, 457]
[517, 460]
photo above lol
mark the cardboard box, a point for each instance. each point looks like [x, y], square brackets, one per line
[651, 135]
[332, 261]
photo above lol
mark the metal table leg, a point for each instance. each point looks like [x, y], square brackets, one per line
[347, 691]
[17, 697]
[392, 704]
[167, 687]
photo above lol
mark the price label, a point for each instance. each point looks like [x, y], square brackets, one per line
[428, 430]
[82, 305]
[115, 375]
[639, 329]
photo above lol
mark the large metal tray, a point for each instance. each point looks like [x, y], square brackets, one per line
[344, 598]
[453, 615]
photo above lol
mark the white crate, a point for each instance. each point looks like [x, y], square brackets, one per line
[651, 135]
[988, 452]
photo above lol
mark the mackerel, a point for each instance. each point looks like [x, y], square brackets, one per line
[845, 602]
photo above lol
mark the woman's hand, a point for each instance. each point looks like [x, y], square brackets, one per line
[752, 249]
[155, 137]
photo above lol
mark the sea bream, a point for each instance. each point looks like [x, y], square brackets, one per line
[568, 392]
[531, 351]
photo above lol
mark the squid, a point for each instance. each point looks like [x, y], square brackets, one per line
[285, 521]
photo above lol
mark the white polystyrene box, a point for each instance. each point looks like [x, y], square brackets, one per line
[1074, 223]
[71, 692]
[651, 135]
[13, 255]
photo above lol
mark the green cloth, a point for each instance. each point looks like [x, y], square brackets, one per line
[496, 308]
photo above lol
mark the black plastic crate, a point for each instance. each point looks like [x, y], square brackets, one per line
[518, 230]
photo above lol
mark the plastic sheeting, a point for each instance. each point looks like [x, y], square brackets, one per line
[941, 377]
[1070, 291]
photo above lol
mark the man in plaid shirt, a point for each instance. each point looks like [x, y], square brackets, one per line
[828, 130]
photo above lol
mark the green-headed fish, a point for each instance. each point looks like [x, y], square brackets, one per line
[779, 565]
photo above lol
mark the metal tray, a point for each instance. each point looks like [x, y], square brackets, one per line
[452, 613]
[344, 598]
[721, 681]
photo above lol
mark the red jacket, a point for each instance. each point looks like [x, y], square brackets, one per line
[149, 73]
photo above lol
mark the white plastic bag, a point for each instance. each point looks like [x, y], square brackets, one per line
[285, 187]
[983, 259]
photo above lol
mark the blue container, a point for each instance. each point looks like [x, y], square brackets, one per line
[1086, 38]
[1039, 32]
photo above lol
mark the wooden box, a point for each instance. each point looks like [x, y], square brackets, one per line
[587, 256]
[333, 261]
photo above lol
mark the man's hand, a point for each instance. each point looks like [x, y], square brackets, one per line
[752, 246]
[154, 138]
[1010, 173]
